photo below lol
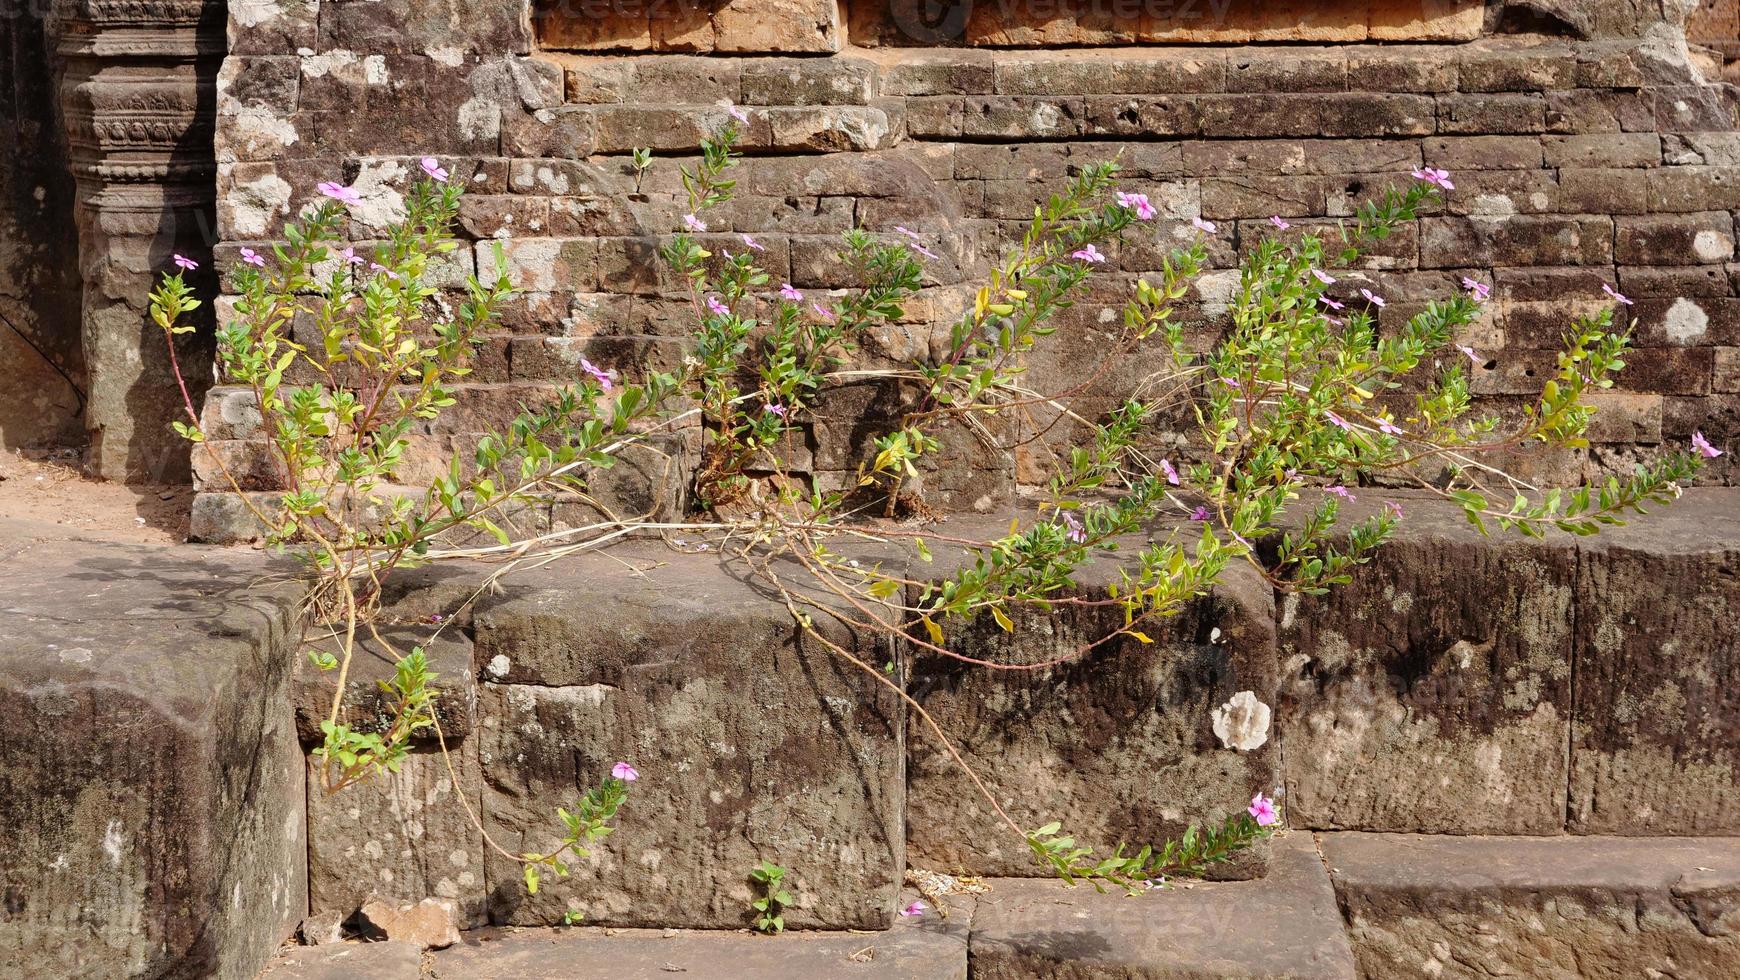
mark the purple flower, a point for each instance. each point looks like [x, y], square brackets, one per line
[752, 243]
[1388, 428]
[790, 292]
[908, 232]
[605, 379]
[693, 223]
[350, 256]
[1171, 473]
[1342, 492]
[434, 169]
[253, 258]
[185, 262]
[1087, 253]
[339, 192]
[1473, 358]
[1230, 383]
[625, 772]
[1372, 298]
[1076, 532]
[1332, 304]
[1201, 514]
[774, 408]
[1338, 422]
[1208, 227]
[377, 267]
[1262, 809]
[914, 910]
[738, 114]
[1437, 178]
[1323, 277]
[1394, 508]
[1279, 222]
[1616, 295]
[1481, 290]
[1139, 204]
[717, 307]
[1702, 445]
[920, 249]
[823, 312]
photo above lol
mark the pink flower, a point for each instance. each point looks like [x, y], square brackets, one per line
[185, 262]
[823, 312]
[1332, 304]
[604, 378]
[920, 249]
[738, 114]
[350, 256]
[339, 192]
[253, 258]
[1338, 422]
[790, 292]
[1615, 295]
[1702, 445]
[752, 243]
[1076, 532]
[1139, 204]
[717, 307]
[1342, 492]
[693, 223]
[1334, 321]
[1204, 226]
[1481, 290]
[434, 169]
[1087, 253]
[625, 772]
[1323, 277]
[1171, 473]
[1201, 514]
[914, 910]
[377, 267]
[1388, 428]
[774, 408]
[1263, 810]
[1372, 298]
[1473, 358]
[1230, 383]
[1280, 223]
[1438, 178]
[1394, 508]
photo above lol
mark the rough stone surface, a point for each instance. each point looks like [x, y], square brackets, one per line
[1556, 908]
[426, 925]
[369, 709]
[1118, 745]
[348, 961]
[1657, 695]
[148, 763]
[1286, 925]
[752, 744]
[927, 948]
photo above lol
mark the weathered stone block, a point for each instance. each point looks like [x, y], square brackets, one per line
[368, 709]
[1554, 908]
[1657, 712]
[1031, 928]
[1433, 692]
[152, 783]
[403, 836]
[753, 742]
[1675, 239]
[809, 81]
[1117, 744]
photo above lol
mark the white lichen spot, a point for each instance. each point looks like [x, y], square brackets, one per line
[1243, 722]
[253, 13]
[75, 655]
[255, 206]
[320, 65]
[373, 849]
[382, 205]
[112, 843]
[1289, 610]
[446, 54]
[1713, 246]
[459, 857]
[375, 69]
[498, 666]
[1492, 206]
[480, 118]
[1685, 321]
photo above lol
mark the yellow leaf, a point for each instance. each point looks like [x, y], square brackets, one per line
[935, 631]
[1138, 634]
[1002, 619]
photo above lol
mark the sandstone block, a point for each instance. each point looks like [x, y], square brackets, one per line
[752, 743]
[1694, 188]
[348, 961]
[809, 81]
[1676, 239]
[366, 707]
[1519, 113]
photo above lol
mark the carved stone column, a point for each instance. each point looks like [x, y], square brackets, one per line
[138, 94]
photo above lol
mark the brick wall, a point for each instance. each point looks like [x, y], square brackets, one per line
[1593, 153]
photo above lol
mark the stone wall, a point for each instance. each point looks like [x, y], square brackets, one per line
[1586, 149]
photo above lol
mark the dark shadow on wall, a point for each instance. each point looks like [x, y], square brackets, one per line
[42, 365]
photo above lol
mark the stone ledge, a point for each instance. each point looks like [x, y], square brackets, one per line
[1286, 925]
[1557, 908]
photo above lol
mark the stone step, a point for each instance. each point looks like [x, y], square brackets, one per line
[1556, 908]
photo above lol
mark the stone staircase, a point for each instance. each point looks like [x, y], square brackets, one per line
[1497, 757]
